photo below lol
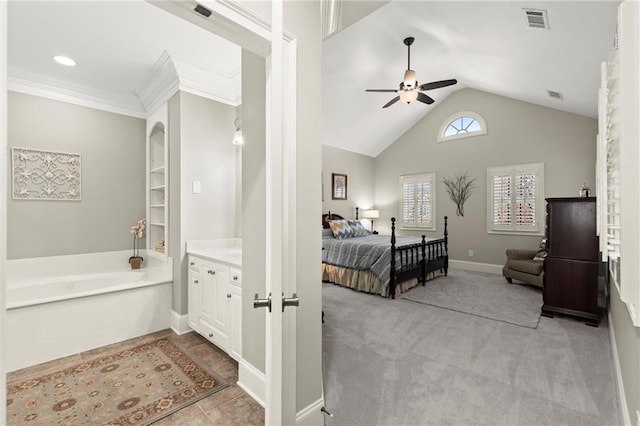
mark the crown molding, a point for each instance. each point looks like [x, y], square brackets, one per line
[32, 84]
[172, 73]
[159, 85]
[168, 75]
[208, 82]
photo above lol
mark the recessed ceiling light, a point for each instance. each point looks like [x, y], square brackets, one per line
[64, 60]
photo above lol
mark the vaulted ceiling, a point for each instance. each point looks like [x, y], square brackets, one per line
[484, 45]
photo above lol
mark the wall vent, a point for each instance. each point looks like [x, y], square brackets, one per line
[555, 95]
[537, 18]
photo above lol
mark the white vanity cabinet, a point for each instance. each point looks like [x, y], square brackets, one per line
[235, 316]
[195, 292]
[215, 303]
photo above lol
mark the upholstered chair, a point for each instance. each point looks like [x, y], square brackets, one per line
[525, 266]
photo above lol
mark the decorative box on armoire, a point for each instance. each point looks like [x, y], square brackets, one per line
[571, 265]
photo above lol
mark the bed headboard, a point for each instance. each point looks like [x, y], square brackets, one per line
[329, 216]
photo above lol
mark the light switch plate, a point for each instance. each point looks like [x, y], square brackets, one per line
[196, 187]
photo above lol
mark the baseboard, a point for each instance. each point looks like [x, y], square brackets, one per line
[476, 266]
[311, 414]
[616, 365]
[252, 381]
[180, 323]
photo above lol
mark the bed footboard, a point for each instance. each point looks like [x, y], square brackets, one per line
[417, 260]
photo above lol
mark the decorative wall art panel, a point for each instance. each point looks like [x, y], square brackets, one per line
[45, 175]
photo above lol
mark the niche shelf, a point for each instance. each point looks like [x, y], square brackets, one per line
[158, 183]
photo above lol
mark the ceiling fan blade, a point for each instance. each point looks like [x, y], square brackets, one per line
[437, 84]
[392, 101]
[381, 90]
[425, 99]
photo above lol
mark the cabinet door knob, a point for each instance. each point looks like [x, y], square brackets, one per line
[228, 295]
[195, 281]
[192, 263]
[210, 334]
[235, 278]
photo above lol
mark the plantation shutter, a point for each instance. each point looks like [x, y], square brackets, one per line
[417, 201]
[525, 200]
[515, 198]
[501, 201]
[408, 201]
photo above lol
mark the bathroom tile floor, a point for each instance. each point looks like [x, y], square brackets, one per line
[230, 406]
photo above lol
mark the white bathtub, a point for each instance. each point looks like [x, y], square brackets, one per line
[62, 305]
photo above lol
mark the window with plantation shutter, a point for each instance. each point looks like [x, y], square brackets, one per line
[515, 199]
[417, 201]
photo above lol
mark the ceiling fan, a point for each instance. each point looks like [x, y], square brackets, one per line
[409, 90]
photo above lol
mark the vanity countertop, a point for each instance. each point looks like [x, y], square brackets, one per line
[228, 250]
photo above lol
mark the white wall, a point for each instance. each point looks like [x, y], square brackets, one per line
[112, 149]
[360, 171]
[253, 208]
[303, 20]
[518, 132]
[627, 341]
[200, 132]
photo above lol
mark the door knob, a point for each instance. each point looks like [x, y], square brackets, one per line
[292, 301]
[262, 303]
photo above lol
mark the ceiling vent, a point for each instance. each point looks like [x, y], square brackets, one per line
[554, 95]
[537, 18]
[202, 10]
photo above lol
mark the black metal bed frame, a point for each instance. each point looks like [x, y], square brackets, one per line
[415, 260]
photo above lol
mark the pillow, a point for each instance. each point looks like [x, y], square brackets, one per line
[358, 229]
[540, 255]
[341, 229]
[327, 233]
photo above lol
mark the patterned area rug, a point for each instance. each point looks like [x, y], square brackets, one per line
[483, 295]
[135, 386]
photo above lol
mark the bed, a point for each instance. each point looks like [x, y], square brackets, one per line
[381, 264]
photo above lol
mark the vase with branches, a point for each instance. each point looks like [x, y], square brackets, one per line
[459, 188]
[137, 231]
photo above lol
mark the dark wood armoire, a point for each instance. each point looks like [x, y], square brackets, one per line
[571, 265]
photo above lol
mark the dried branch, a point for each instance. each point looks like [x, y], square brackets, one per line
[459, 189]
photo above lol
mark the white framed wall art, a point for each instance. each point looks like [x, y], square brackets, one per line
[45, 175]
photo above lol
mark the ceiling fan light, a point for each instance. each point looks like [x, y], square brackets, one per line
[409, 79]
[409, 96]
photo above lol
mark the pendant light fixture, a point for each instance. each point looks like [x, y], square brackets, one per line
[238, 139]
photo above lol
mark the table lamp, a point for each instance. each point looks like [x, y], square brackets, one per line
[371, 214]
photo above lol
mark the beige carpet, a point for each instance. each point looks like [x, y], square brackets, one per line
[483, 295]
[397, 362]
[135, 386]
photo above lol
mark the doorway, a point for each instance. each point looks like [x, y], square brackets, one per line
[249, 30]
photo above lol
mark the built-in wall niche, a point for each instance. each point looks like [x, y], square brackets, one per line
[157, 184]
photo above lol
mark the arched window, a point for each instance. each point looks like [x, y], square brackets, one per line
[462, 125]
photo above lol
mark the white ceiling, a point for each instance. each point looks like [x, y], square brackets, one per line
[116, 46]
[484, 45]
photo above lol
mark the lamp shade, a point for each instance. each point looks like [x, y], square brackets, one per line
[409, 96]
[371, 214]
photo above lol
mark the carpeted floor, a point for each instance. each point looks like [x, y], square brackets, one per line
[481, 294]
[131, 386]
[397, 362]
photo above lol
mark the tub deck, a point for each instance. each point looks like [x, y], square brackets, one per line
[54, 310]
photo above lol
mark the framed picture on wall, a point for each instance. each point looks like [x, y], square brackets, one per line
[338, 186]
